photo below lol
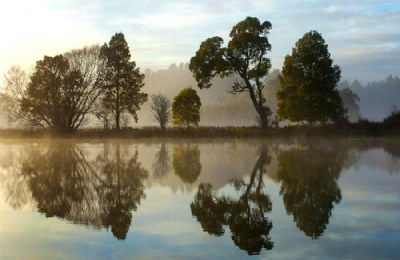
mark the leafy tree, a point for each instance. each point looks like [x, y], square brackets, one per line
[186, 108]
[52, 93]
[308, 83]
[161, 108]
[59, 94]
[122, 81]
[244, 56]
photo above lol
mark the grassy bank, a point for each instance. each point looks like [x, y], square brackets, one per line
[362, 129]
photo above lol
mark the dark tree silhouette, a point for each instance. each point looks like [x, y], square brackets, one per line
[62, 90]
[244, 56]
[245, 216]
[122, 80]
[309, 186]
[186, 162]
[308, 83]
[186, 108]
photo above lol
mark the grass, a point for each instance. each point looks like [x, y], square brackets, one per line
[363, 128]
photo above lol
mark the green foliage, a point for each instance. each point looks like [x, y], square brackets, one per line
[122, 81]
[186, 108]
[244, 56]
[308, 83]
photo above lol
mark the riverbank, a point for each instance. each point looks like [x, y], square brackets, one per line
[365, 129]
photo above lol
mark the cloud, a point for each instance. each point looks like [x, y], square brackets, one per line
[164, 32]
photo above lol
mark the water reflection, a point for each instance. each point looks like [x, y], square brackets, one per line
[121, 190]
[244, 214]
[309, 185]
[162, 162]
[241, 188]
[99, 193]
[186, 162]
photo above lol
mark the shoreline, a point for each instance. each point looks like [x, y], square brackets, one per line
[372, 130]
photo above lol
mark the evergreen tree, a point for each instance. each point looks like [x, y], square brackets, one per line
[122, 80]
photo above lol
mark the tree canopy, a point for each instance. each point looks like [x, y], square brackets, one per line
[308, 83]
[186, 108]
[244, 56]
[122, 80]
[60, 92]
[58, 95]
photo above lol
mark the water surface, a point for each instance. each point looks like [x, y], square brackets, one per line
[209, 198]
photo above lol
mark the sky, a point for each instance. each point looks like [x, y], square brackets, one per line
[363, 35]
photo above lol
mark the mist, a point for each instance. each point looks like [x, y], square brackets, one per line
[220, 108]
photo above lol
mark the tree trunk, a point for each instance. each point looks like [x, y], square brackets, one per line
[117, 119]
[259, 108]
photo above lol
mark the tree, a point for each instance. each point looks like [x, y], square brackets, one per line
[15, 83]
[161, 108]
[186, 108]
[308, 83]
[122, 80]
[59, 94]
[244, 56]
[52, 93]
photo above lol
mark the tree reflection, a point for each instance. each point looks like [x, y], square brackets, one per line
[162, 162]
[55, 180]
[309, 186]
[121, 191]
[245, 214]
[98, 193]
[186, 162]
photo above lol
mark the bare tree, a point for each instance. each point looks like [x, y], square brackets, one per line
[161, 109]
[92, 67]
[13, 92]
